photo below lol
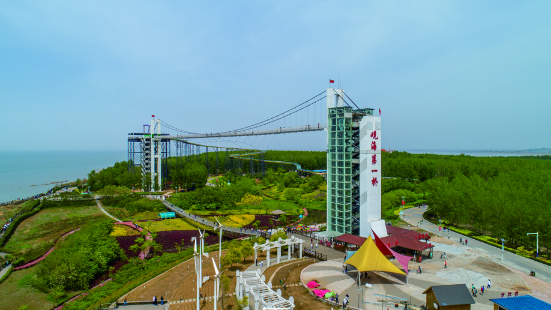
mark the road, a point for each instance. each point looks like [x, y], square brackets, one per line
[414, 215]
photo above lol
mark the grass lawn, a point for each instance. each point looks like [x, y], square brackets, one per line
[17, 293]
[37, 234]
[6, 212]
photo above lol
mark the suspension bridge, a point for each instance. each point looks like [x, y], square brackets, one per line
[353, 155]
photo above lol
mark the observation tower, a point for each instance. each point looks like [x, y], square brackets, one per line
[353, 168]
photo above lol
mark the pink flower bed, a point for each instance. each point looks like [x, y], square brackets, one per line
[125, 242]
[320, 293]
[169, 239]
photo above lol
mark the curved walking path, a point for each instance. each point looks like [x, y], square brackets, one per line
[38, 260]
[143, 254]
[413, 215]
[103, 210]
[3, 271]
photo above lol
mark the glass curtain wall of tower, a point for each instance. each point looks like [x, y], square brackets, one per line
[343, 169]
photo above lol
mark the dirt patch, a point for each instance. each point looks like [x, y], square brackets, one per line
[442, 240]
[489, 266]
[179, 284]
[303, 300]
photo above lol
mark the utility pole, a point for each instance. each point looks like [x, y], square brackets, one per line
[537, 242]
[502, 248]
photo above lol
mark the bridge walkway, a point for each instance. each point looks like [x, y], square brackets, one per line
[209, 223]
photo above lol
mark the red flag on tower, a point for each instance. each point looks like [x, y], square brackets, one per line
[331, 81]
[379, 111]
[152, 115]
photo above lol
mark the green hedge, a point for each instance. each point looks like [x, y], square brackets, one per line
[16, 222]
[66, 202]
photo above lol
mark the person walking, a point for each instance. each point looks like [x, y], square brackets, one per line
[461, 240]
[155, 301]
[445, 264]
[489, 283]
[482, 290]
[316, 245]
[337, 298]
[465, 241]
[285, 286]
[162, 300]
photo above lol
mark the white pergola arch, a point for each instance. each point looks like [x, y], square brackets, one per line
[252, 283]
[278, 244]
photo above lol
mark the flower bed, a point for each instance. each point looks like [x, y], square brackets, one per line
[167, 225]
[236, 221]
[125, 242]
[265, 221]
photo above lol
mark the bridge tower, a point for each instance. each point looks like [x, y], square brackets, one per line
[353, 168]
[150, 154]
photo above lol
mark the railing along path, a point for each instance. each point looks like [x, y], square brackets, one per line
[206, 222]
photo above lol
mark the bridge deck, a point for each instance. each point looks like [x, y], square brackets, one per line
[280, 130]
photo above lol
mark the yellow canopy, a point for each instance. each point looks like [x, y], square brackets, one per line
[369, 258]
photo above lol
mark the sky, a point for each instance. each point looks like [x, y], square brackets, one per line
[462, 75]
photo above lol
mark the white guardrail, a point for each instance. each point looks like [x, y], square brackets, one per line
[200, 220]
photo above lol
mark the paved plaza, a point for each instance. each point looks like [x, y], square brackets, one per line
[468, 265]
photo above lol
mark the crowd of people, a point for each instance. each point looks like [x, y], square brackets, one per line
[474, 290]
[5, 226]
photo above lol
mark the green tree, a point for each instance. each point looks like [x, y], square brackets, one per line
[292, 194]
[246, 250]
[242, 303]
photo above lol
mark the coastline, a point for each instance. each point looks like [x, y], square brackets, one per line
[28, 173]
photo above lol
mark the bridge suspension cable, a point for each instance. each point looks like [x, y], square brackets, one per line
[270, 120]
[350, 100]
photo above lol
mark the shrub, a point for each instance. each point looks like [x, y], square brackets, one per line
[82, 257]
[111, 190]
[134, 203]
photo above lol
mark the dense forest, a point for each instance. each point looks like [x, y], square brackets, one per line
[504, 197]
[497, 196]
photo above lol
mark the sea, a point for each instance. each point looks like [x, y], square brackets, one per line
[28, 173]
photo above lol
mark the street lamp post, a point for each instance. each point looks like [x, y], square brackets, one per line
[537, 242]
[502, 248]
